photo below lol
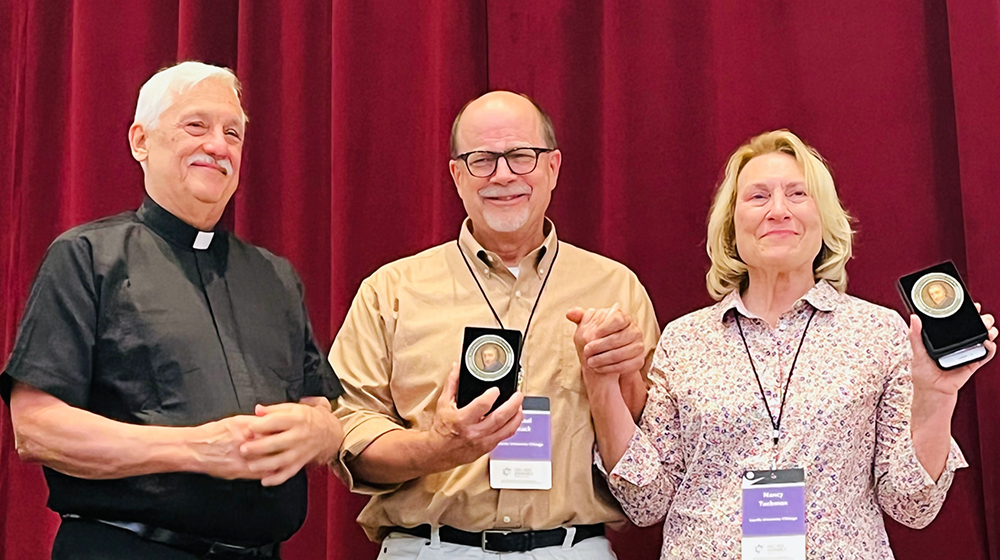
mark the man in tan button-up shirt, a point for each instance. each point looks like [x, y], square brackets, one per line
[424, 460]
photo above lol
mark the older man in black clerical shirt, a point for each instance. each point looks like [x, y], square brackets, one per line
[165, 372]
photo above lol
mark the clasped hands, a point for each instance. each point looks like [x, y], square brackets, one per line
[608, 343]
[272, 445]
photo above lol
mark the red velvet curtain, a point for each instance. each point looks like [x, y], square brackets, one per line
[350, 105]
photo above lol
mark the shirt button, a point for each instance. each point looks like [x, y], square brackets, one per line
[486, 271]
[506, 519]
[517, 293]
[541, 271]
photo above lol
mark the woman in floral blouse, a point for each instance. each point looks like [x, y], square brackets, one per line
[785, 371]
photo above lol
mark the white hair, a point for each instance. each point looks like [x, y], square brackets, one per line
[157, 94]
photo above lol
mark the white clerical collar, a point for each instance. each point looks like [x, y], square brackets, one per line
[514, 270]
[203, 240]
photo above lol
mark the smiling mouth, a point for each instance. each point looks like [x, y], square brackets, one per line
[505, 198]
[218, 168]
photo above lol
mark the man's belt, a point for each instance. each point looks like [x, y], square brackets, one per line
[188, 543]
[505, 541]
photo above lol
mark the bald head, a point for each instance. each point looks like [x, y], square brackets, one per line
[506, 208]
[515, 106]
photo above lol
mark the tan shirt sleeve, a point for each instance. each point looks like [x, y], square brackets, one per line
[644, 316]
[362, 357]
[399, 339]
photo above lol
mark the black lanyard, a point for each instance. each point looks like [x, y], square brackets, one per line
[524, 337]
[776, 425]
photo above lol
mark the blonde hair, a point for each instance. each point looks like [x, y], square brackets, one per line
[728, 272]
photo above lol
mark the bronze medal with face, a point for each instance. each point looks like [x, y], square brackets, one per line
[937, 295]
[489, 357]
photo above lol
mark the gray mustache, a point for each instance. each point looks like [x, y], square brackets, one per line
[203, 158]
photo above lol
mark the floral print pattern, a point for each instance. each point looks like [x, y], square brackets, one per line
[846, 422]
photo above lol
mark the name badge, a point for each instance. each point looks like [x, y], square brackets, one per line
[524, 460]
[774, 515]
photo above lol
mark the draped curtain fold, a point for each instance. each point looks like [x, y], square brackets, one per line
[345, 167]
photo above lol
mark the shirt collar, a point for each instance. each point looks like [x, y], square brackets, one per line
[172, 228]
[539, 259]
[821, 296]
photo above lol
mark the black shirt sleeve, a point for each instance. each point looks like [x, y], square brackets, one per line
[55, 341]
[319, 378]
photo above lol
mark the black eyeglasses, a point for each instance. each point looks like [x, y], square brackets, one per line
[520, 161]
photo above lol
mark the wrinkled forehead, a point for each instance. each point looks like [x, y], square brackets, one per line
[770, 166]
[210, 96]
[495, 122]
